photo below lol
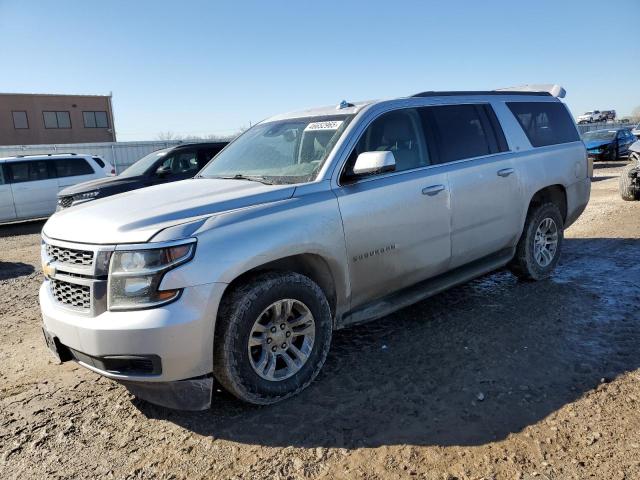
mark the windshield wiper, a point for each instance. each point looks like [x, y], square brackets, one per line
[239, 176]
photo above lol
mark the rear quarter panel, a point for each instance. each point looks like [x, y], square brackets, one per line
[537, 168]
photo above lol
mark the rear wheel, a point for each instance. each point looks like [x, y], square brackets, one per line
[538, 250]
[272, 338]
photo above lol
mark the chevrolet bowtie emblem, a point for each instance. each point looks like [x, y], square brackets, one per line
[48, 270]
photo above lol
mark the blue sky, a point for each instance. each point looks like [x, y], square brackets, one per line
[198, 68]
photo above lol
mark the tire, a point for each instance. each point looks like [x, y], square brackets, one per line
[236, 364]
[524, 264]
[628, 191]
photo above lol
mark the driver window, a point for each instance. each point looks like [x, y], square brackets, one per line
[182, 162]
[396, 132]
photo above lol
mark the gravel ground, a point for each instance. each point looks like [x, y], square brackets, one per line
[496, 379]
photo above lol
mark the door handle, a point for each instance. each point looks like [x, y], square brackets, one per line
[432, 190]
[505, 172]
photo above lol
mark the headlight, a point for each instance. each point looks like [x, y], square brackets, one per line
[84, 197]
[135, 275]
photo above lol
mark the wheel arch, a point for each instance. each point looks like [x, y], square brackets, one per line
[551, 194]
[310, 265]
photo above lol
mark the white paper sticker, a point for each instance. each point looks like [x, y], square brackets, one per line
[330, 125]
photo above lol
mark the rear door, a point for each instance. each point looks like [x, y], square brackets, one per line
[34, 186]
[7, 209]
[71, 171]
[485, 195]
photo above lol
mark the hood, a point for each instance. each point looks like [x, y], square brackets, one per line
[591, 144]
[102, 184]
[138, 215]
[635, 147]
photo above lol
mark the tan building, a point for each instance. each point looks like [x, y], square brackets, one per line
[31, 119]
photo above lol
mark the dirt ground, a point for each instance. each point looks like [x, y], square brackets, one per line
[496, 379]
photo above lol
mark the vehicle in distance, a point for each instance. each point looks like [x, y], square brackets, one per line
[162, 166]
[630, 176]
[29, 184]
[608, 144]
[306, 223]
[608, 115]
[590, 117]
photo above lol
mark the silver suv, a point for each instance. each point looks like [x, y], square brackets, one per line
[306, 223]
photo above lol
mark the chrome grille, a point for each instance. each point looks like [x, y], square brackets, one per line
[65, 202]
[70, 256]
[70, 294]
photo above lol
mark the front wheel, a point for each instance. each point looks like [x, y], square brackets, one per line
[538, 249]
[272, 337]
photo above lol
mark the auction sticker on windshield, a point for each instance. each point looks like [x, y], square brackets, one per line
[329, 125]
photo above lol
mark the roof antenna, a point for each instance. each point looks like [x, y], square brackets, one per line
[344, 104]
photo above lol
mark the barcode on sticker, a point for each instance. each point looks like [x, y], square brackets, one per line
[330, 125]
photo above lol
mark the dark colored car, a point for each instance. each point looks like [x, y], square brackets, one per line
[162, 166]
[609, 144]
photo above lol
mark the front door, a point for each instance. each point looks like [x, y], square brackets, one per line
[179, 165]
[7, 209]
[34, 188]
[396, 225]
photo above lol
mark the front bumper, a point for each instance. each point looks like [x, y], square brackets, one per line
[179, 335]
[599, 156]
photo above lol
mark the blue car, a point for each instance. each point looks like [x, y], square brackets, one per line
[609, 144]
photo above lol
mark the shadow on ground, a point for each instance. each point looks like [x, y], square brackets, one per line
[14, 269]
[21, 228]
[466, 367]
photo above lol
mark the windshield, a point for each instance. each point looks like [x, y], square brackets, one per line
[600, 135]
[144, 164]
[281, 152]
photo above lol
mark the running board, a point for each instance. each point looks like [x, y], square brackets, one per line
[425, 289]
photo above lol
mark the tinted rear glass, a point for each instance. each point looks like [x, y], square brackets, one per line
[462, 131]
[545, 123]
[70, 167]
[99, 161]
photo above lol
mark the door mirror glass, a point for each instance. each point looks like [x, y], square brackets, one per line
[163, 171]
[374, 162]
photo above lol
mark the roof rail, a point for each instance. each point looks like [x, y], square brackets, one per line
[478, 92]
[552, 89]
[44, 154]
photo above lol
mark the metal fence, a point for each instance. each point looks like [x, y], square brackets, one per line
[119, 154]
[587, 127]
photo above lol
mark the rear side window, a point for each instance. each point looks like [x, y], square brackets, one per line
[545, 123]
[2, 181]
[71, 167]
[99, 161]
[29, 171]
[464, 131]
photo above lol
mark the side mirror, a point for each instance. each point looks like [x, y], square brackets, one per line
[163, 171]
[374, 162]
